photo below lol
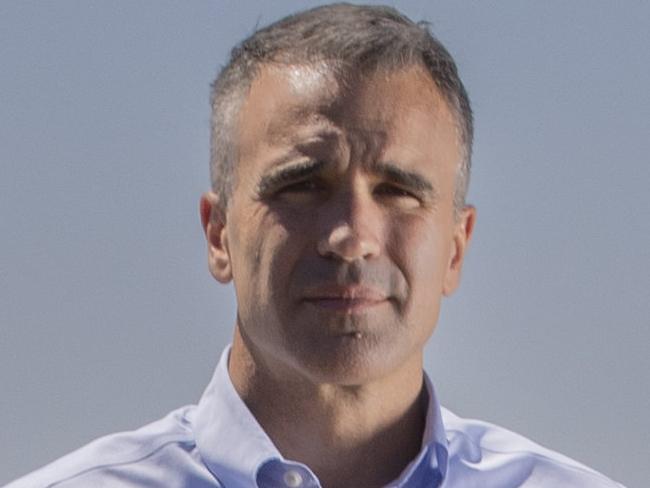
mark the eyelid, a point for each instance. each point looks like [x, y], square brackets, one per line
[312, 182]
[288, 175]
[313, 176]
[399, 189]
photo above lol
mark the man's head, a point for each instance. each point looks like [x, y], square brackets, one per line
[347, 40]
[343, 227]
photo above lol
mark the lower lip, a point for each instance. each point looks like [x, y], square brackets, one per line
[345, 305]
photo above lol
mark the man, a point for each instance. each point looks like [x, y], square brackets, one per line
[340, 161]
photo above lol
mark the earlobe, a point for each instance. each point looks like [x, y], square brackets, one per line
[462, 236]
[213, 219]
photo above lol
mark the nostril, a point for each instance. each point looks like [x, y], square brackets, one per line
[348, 244]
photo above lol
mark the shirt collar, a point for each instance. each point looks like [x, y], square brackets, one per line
[435, 435]
[231, 442]
[234, 446]
[430, 465]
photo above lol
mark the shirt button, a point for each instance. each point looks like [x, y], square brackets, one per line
[292, 479]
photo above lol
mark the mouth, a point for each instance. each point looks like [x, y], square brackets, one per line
[349, 300]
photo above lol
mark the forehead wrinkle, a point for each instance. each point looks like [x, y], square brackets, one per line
[301, 123]
[365, 144]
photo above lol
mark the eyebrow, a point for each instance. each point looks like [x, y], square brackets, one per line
[391, 172]
[408, 179]
[287, 174]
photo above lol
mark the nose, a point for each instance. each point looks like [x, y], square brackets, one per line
[353, 229]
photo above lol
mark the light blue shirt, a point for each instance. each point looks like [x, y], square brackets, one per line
[218, 443]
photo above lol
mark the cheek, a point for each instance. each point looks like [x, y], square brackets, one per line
[421, 250]
[266, 259]
[246, 248]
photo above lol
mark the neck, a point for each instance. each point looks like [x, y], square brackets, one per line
[360, 435]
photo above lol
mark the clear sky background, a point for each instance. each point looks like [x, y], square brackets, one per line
[109, 317]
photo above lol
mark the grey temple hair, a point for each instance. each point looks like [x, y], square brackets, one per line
[352, 37]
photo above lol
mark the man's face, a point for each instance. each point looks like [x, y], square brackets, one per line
[340, 235]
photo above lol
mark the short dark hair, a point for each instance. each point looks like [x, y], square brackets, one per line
[358, 37]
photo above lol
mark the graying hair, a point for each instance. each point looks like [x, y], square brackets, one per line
[353, 37]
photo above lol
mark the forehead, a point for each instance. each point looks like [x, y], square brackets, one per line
[290, 104]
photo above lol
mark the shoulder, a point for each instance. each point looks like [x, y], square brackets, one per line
[488, 453]
[161, 453]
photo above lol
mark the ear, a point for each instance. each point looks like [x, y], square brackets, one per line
[464, 227]
[213, 218]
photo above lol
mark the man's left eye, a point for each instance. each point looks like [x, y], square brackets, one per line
[397, 197]
[393, 191]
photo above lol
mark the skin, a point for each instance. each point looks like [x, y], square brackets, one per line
[341, 239]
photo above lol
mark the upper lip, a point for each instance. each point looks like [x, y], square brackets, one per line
[342, 292]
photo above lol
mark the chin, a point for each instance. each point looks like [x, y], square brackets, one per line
[351, 359]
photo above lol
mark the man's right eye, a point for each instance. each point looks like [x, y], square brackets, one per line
[305, 186]
[300, 193]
